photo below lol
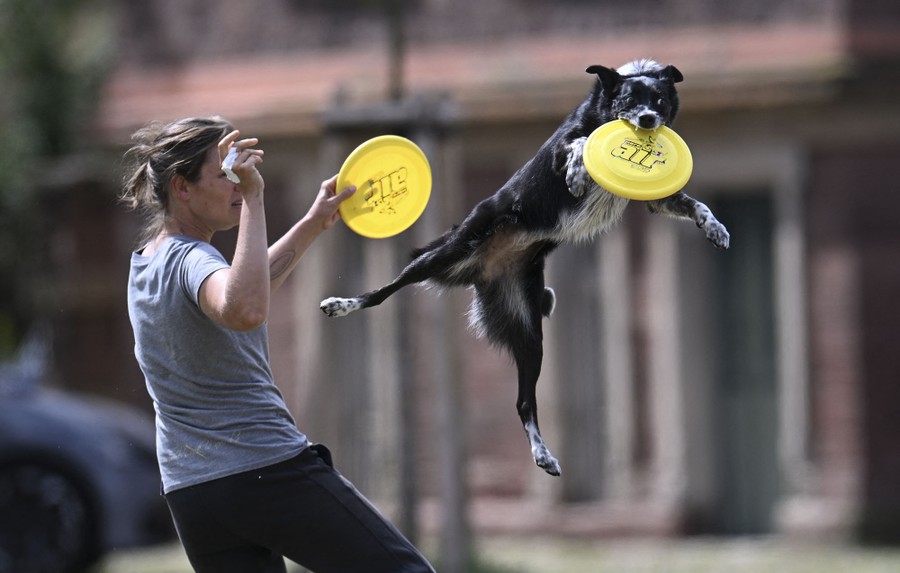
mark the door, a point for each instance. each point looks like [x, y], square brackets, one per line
[745, 388]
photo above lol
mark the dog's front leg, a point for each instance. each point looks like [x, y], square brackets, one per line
[686, 207]
[577, 178]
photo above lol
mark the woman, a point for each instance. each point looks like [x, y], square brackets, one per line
[244, 485]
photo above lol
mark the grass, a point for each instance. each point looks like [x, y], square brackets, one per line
[545, 555]
[690, 556]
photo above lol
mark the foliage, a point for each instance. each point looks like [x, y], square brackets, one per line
[52, 57]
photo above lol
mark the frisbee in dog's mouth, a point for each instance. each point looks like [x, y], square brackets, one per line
[637, 163]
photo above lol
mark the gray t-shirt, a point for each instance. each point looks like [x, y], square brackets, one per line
[218, 411]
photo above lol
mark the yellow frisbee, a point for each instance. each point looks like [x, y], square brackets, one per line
[637, 163]
[393, 184]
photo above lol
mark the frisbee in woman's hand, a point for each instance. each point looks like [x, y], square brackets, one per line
[393, 184]
[637, 163]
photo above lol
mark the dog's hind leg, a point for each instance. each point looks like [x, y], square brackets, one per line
[436, 263]
[529, 357]
[442, 260]
[415, 272]
[686, 207]
[337, 306]
[509, 313]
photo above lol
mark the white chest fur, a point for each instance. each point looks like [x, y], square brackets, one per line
[599, 210]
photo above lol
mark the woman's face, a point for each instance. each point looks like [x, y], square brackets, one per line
[215, 201]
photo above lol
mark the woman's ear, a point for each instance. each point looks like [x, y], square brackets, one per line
[179, 188]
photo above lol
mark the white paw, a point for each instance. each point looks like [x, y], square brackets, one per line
[545, 460]
[577, 178]
[339, 306]
[717, 234]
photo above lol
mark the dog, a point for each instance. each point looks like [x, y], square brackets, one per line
[500, 248]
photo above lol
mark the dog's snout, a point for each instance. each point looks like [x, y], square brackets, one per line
[648, 121]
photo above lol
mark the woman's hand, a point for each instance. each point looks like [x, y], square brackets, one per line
[245, 165]
[286, 252]
[324, 211]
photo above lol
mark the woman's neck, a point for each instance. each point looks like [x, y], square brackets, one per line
[173, 226]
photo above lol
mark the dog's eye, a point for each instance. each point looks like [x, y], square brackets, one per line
[661, 102]
[629, 100]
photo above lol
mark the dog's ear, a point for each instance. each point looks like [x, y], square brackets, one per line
[609, 78]
[671, 73]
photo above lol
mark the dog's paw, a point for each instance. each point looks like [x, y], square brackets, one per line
[339, 306]
[577, 178]
[545, 460]
[717, 234]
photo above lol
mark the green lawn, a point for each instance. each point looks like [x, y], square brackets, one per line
[542, 555]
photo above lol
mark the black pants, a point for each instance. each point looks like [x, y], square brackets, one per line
[301, 509]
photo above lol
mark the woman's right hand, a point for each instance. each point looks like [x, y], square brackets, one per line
[245, 166]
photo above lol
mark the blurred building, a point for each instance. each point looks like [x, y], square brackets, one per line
[684, 389]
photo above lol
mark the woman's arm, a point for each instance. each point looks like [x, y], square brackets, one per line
[238, 297]
[286, 252]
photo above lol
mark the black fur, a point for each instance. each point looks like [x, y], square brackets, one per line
[500, 247]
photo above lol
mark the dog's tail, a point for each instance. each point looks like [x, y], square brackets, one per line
[548, 302]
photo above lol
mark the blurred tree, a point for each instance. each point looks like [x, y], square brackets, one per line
[53, 54]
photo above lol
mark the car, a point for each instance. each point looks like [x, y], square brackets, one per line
[78, 478]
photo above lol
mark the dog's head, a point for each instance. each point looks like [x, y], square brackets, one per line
[641, 92]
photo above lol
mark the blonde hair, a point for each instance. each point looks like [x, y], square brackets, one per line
[160, 152]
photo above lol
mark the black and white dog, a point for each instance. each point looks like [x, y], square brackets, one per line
[500, 247]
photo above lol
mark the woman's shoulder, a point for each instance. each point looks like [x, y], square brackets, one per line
[175, 245]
